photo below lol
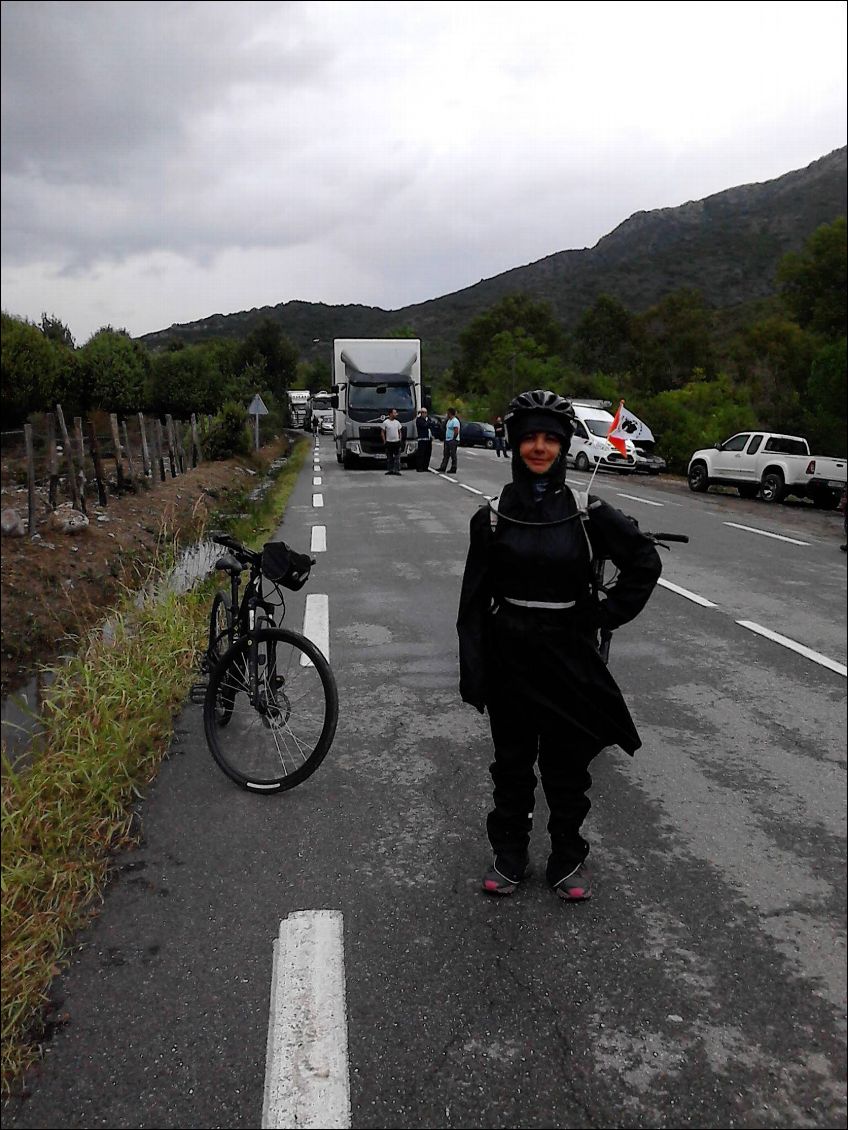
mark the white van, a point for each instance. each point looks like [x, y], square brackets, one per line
[589, 444]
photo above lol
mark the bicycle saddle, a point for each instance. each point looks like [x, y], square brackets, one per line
[230, 564]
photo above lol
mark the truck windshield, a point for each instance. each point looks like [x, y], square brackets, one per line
[321, 404]
[380, 398]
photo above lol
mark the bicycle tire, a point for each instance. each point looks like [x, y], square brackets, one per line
[221, 627]
[276, 743]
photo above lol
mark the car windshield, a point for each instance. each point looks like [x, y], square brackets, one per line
[380, 398]
[598, 427]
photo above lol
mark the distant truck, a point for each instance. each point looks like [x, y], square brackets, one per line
[298, 404]
[320, 414]
[370, 377]
[770, 465]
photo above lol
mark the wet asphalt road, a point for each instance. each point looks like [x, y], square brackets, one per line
[703, 985]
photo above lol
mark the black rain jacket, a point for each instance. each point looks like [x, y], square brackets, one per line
[542, 661]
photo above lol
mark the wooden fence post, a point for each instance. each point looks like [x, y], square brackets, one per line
[172, 446]
[52, 460]
[130, 460]
[178, 432]
[116, 443]
[196, 449]
[99, 475]
[30, 458]
[69, 454]
[145, 451]
[160, 444]
[81, 456]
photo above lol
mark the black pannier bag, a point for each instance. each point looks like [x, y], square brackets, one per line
[282, 566]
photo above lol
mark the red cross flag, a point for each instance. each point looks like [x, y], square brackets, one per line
[627, 426]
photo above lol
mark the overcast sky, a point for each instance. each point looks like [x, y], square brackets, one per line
[166, 161]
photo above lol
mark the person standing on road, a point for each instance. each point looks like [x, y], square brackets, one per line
[424, 430]
[392, 438]
[528, 620]
[451, 443]
[500, 437]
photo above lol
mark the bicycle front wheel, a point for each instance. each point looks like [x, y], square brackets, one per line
[280, 699]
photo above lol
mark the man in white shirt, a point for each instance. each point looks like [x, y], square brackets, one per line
[392, 438]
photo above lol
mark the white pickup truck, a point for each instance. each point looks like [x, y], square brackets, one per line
[773, 466]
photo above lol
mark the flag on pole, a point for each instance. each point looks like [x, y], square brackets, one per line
[627, 426]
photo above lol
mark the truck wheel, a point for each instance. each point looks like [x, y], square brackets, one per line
[749, 490]
[773, 488]
[581, 462]
[825, 499]
[699, 480]
[348, 461]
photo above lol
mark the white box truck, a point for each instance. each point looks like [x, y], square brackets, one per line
[371, 376]
[298, 402]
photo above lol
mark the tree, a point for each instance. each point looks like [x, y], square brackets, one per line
[29, 370]
[813, 282]
[56, 331]
[184, 381]
[675, 339]
[116, 372]
[697, 415]
[604, 338]
[773, 359]
[267, 343]
[825, 414]
[531, 325]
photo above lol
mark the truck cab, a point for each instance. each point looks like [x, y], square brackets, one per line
[372, 376]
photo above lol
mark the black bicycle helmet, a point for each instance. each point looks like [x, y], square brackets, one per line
[539, 411]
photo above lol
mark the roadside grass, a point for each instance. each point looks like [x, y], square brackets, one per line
[106, 725]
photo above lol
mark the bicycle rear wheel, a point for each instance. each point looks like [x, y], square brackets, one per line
[279, 696]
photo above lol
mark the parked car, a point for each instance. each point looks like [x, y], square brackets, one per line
[437, 425]
[771, 465]
[589, 444]
[648, 462]
[325, 427]
[476, 434]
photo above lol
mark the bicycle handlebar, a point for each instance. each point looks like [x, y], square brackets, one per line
[667, 537]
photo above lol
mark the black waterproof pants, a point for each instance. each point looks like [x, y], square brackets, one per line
[563, 761]
[449, 455]
[425, 451]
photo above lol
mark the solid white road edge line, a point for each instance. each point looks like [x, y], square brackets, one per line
[693, 596]
[307, 1078]
[765, 533]
[317, 500]
[316, 625]
[319, 540]
[633, 498]
[472, 489]
[807, 652]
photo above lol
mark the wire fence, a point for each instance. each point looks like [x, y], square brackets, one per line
[86, 460]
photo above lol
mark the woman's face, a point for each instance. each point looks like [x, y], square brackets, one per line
[539, 450]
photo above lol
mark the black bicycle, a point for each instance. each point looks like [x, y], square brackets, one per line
[604, 578]
[270, 707]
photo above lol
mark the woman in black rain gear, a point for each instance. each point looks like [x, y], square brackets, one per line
[528, 623]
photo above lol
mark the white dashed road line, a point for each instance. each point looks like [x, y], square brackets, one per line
[307, 1077]
[765, 533]
[317, 500]
[785, 641]
[319, 540]
[633, 498]
[693, 596]
[316, 624]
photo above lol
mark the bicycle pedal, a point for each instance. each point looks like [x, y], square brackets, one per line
[197, 694]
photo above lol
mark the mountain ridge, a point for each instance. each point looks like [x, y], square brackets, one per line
[727, 245]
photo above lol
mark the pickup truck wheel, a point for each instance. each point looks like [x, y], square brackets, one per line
[749, 490]
[825, 499]
[773, 488]
[699, 480]
[581, 463]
